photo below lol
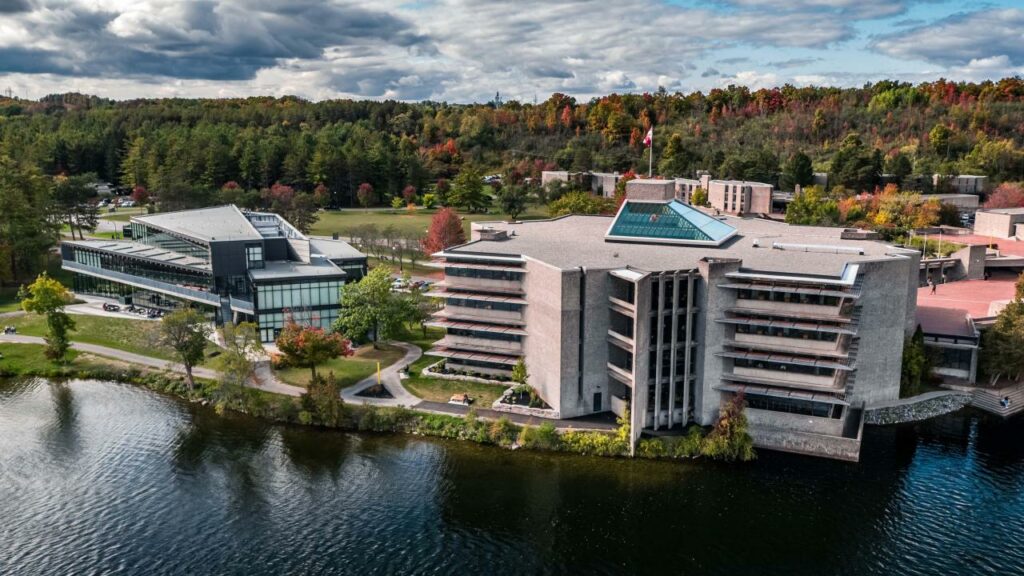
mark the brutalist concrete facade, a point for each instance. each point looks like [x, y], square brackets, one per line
[807, 324]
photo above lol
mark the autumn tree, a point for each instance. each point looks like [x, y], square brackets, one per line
[580, 203]
[1006, 195]
[186, 331]
[47, 297]
[445, 231]
[409, 194]
[366, 196]
[140, 195]
[297, 208]
[310, 345]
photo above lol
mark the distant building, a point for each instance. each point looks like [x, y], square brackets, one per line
[965, 203]
[999, 223]
[235, 266]
[820, 179]
[960, 184]
[650, 189]
[599, 183]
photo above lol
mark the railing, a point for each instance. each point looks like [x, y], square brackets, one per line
[141, 282]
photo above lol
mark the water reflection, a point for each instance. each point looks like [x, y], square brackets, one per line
[105, 478]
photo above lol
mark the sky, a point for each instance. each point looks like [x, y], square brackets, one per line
[469, 50]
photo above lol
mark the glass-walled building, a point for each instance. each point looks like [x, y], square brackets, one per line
[234, 265]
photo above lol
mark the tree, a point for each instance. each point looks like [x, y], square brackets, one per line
[676, 159]
[729, 439]
[366, 195]
[854, 166]
[27, 227]
[48, 297]
[512, 200]
[186, 332]
[140, 195]
[72, 196]
[797, 172]
[241, 347]
[580, 203]
[441, 191]
[939, 138]
[297, 208]
[915, 369]
[445, 231]
[813, 207]
[699, 198]
[1006, 195]
[409, 194]
[1002, 345]
[468, 191]
[369, 308]
[309, 345]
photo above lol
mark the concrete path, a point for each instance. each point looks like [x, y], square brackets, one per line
[116, 354]
[263, 378]
[389, 377]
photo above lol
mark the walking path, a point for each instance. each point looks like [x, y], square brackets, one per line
[390, 379]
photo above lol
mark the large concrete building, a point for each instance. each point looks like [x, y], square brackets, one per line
[668, 311]
[727, 196]
[599, 183]
[234, 265]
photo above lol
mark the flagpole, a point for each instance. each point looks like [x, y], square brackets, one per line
[650, 155]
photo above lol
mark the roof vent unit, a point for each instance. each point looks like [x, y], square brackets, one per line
[493, 235]
[757, 243]
[820, 248]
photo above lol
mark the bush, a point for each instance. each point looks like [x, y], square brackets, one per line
[503, 432]
[652, 448]
[543, 437]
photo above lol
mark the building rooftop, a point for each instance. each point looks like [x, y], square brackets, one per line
[284, 269]
[1004, 210]
[139, 250]
[335, 249]
[977, 298]
[204, 224]
[740, 182]
[763, 245]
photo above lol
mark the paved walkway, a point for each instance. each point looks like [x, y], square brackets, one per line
[391, 381]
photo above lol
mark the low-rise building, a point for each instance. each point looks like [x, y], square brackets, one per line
[599, 183]
[960, 184]
[999, 222]
[667, 311]
[234, 265]
[965, 203]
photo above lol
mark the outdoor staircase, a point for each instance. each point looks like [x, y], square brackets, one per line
[988, 400]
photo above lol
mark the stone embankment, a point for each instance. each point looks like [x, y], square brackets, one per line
[917, 408]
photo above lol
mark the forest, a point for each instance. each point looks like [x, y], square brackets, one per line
[292, 154]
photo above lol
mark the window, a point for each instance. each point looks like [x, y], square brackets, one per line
[794, 406]
[254, 256]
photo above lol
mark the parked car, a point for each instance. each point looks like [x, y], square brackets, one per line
[111, 307]
[399, 284]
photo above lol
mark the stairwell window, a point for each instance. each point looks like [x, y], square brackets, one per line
[254, 256]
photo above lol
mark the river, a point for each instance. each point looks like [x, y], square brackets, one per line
[106, 478]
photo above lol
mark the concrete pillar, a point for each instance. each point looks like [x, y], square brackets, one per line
[673, 352]
[658, 351]
[688, 350]
[641, 346]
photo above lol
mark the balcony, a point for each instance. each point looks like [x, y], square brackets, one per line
[191, 294]
[481, 344]
[834, 348]
[471, 284]
[796, 309]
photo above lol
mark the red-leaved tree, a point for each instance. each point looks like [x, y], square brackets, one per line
[365, 195]
[445, 230]
[309, 346]
[409, 194]
[1006, 195]
[140, 195]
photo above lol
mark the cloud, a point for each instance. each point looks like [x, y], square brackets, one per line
[710, 73]
[792, 62]
[735, 60]
[14, 6]
[862, 9]
[960, 39]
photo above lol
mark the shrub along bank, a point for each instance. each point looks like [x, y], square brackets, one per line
[322, 406]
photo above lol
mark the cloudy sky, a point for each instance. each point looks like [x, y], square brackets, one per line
[466, 50]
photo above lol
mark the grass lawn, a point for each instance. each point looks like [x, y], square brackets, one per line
[436, 389]
[348, 371]
[9, 299]
[137, 336]
[122, 214]
[417, 270]
[27, 358]
[342, 221]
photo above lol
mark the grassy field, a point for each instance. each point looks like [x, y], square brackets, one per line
[136, 336]
[348, 371]
[342, 221]
[122, 214]
[27, 358]
[436, 389]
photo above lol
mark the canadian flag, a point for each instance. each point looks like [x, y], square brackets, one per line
[649, 138]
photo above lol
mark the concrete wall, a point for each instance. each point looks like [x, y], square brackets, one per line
[806, 443]
[972, 262]
[887, 308]
[543, 346]
[548, 176]
[644, 189]
[710, 336]
[997, 224]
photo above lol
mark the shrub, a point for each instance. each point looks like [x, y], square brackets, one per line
[652, 448]
[503, 432]
[543, 437]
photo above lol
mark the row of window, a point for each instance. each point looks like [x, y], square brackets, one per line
[485, 274]
[483, 305]
[153, 237]
[144, 268]
[787, 333]
[299, 294]
[794, 406]
[782, 367]
[270, 324]
[485, 335]
[788, 297]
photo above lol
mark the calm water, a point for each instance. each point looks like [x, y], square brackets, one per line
[102, 478]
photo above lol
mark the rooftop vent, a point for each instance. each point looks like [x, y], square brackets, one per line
[820, 248]
[492, 234]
